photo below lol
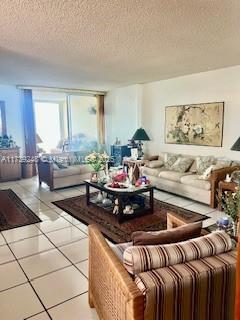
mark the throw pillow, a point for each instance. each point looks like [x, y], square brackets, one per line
[55, 166]
[155, 164]
[138, 259]
[182, 164]
[203, 163]
[169, 159]
[193, 167]
[182, 233]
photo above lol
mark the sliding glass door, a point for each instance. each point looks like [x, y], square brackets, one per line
[66, 124]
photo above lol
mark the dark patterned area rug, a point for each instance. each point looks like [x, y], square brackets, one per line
[109, 225]
[13, 212]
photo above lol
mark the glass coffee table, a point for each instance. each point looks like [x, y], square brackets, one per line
[140, 199]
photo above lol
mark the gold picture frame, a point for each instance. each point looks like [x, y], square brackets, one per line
[195, 124]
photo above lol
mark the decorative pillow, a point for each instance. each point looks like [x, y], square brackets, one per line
[224, 162]
[182, 233]
[203, 163]
[206, 174]
[182, 164]
[155, 164]
[137, 259]
[169, 159]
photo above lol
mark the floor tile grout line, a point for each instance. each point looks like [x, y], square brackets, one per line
[58, 248]
[74, 297]
[28, 281]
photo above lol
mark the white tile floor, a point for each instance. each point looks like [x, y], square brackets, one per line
[44, 267]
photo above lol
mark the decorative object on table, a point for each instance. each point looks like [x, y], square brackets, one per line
[140, 135]
[226, 224]
[196, 124]
[98, 161]
[134, 153]
[235, 176]
[117, 141]
[128, 209]
[120, 177]
[230, 202]
[118, 152]
[116, 207]
[142, 181]
[228, 178]
[135, 165]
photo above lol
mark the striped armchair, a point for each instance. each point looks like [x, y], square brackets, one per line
[202, 288]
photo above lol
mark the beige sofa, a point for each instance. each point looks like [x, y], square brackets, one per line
[188, 184]
[72, 174]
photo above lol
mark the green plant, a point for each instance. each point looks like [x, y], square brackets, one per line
[97, 160]
[230, 202]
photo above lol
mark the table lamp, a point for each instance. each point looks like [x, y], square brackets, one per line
[236, 146]
[140, 135]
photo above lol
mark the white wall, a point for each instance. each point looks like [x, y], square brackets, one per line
[150, 100]
[122, 116]
[13, 105]
[212, 86]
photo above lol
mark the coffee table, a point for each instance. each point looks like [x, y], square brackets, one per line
[135, 196]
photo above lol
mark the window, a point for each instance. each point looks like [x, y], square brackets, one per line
[66, 122]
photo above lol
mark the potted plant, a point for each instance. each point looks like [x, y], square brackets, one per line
[230, 203]
[98, 161]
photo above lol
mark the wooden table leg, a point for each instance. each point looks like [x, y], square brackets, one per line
[120, 209]
[151, 201]
[87, 194]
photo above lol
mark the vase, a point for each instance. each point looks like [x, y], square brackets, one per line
[94, 176]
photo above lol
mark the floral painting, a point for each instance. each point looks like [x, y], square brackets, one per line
[198, 124]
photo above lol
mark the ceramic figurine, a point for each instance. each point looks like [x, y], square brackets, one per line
[116, 207]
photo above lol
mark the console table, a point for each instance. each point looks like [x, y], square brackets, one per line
[10, 166]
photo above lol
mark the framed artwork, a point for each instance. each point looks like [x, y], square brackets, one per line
[196, 124]
[3, 129]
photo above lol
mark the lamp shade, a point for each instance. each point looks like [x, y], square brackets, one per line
[236, 146]
[140, 135]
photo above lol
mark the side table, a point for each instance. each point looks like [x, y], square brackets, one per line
[135, 164]
[225, 186]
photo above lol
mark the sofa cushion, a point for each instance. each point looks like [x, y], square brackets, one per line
[151, 171]
[138, 259]
[194, 181]
[182, 233]
[203, 163]
[155, 164]
[69, 171]
[182, 164]
[172, 175]
[118, 249]
[84, 168]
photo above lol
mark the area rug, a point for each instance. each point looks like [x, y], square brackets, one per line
[13, 212]
[108, 223]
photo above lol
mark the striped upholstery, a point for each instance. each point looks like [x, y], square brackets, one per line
[118, 249]
[197, 290]
[138, 259]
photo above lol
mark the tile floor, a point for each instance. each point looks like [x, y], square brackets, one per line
[44, 267]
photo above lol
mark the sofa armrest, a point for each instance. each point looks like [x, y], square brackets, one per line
[45, 172]
[111, 289]
[215, 177]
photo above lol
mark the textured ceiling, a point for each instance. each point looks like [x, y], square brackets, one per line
[102, 44]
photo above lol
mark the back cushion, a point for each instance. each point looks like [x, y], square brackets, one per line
[182, 164]
[182, 233]
[138, 259]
